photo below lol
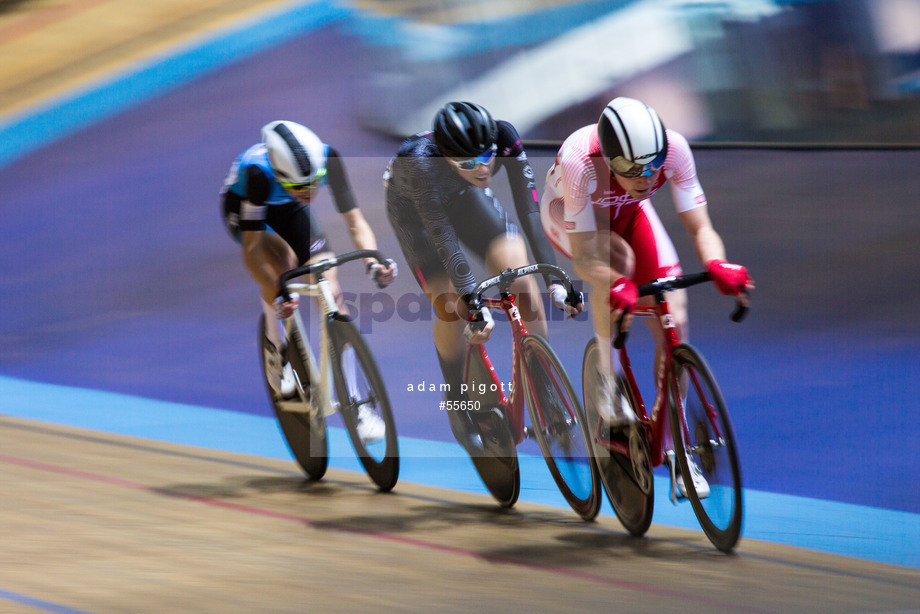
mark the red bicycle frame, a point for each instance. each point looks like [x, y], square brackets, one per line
[656, 424]
[513, 405]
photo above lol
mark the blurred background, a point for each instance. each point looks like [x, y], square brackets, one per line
[119, 120]
[820, 71]
[741, 71]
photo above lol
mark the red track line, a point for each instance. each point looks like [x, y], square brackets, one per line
[465, 552]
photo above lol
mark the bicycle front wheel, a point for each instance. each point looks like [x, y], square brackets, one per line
[632, 504]
[303, 426]
[560, 427]
[364, 404]
[703, 435]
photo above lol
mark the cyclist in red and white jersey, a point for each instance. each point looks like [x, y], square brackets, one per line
[596, 211]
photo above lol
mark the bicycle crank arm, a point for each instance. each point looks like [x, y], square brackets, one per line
[295, 406]
[703, 448]
[672, 470]
[640, 460]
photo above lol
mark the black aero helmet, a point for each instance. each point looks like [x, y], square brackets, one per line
[464, 130]
[633, 139]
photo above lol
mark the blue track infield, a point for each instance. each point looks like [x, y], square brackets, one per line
[38, 604]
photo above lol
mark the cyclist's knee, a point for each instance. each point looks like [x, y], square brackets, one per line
[677, 305]
[268, 248]
[278, 257]
[506, 251]
[444, 298]
[528, 297]
[446, 308]
[621, 255]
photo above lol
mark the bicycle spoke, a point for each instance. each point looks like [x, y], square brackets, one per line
[364, 405]
[561, 431]
[303, 427]
[632, 504]
[706, 439]
[485, 433]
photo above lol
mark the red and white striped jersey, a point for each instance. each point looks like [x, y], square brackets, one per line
[581, 195]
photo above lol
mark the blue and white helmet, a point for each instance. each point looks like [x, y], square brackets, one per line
[296, 154]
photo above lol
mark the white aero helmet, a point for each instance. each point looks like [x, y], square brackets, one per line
[633, 139]
[297, 156]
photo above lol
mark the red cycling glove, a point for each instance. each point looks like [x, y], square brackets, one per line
[624, 294]
[731, 279]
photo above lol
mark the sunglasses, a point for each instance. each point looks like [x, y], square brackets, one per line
[304, 187]
[624, 168]
[471, 163]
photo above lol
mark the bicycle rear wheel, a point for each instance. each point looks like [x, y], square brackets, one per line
[703, 433]
[631, 504]
[303, 426]
[560, 427]
[363, 396]
[487, 435]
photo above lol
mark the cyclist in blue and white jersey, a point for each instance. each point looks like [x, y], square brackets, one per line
[266, 201]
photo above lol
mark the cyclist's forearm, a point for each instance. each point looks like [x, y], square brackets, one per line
[536, 238]
[709, 245]
[361, 233]
[706, 241]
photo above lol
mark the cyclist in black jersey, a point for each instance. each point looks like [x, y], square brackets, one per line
[271, 185]
[438, 197]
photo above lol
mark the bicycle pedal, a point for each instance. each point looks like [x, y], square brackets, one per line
[641, 462]
[295, 406]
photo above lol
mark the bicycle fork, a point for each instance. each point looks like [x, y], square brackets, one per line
[639, 454]
[320, 375]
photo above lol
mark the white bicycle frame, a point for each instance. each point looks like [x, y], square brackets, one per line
[320, 394]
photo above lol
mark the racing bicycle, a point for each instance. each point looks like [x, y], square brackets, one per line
[346, 364]
[539, 381]
[688, 412]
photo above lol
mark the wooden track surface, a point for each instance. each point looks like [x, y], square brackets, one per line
[102, 523]
[50, 46]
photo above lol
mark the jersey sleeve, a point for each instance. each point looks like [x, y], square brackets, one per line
[680, 169]
[578, 179]
[342, 194]
[253, 209]
[524, 193]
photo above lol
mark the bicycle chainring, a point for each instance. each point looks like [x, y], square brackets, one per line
[640, 459]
